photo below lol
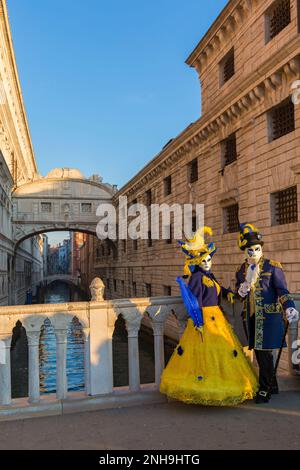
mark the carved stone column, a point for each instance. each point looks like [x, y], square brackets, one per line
[5, 373]
[61, 364]
[133, 328]
[159, 351]
[33, 338]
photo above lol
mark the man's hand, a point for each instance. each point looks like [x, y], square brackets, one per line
[292, 315]
[244, 289]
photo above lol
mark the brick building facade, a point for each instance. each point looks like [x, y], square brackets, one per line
[241, 159]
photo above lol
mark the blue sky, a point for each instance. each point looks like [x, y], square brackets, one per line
[105, 83]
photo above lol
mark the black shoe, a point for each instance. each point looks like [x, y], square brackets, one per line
[262, 397]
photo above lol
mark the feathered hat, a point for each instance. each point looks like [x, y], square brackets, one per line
[249, 236]
[196, 250]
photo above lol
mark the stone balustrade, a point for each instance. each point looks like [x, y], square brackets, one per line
[98, 319]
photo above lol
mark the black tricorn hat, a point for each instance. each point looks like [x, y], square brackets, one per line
[249, 236]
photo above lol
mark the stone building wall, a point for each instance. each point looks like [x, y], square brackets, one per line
[264, 74]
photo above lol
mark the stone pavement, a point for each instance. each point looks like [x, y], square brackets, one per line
[167, 426]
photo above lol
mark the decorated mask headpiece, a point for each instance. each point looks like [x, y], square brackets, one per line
[249, 236]
[196, 250]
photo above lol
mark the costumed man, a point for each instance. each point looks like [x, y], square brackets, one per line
[261, 284]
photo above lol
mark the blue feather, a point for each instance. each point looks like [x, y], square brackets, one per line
[191, 303]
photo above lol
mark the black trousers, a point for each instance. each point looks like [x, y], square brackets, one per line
[265, 362]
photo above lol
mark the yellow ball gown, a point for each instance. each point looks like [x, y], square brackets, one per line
[209, 366]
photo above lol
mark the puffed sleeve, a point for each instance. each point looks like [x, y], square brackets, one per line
[195, 284]
[280, 285]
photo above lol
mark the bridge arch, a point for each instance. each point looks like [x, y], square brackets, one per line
[62, 201]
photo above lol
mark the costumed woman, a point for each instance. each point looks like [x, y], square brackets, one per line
[209, 366]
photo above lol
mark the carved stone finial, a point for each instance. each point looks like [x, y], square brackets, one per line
[97, 290]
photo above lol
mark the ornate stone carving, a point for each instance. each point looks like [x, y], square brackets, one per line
[97, 288]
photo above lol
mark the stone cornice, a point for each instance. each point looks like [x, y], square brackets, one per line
[105, 187]
[253, 91]
[16, 92]
[224, 27]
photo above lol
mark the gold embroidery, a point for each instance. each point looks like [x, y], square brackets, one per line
[208, 282]
[276, 264]
[285, 298]
[273, 308]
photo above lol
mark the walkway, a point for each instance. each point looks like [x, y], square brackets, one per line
[166, 426]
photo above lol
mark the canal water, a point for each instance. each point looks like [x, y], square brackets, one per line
[61, 293]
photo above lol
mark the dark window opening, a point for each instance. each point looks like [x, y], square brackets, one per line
[231, 219]
[168, 185]
[227, 67]
[148, 290]
[229, 150]
[193, 171]
[282, 119]
[278, 18]
[285, 206]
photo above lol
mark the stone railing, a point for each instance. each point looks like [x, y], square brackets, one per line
[97, 319]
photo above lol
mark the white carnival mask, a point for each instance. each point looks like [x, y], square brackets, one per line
[206, 264]
[255, 254]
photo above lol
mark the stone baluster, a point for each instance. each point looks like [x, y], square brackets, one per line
[102, 321]
[133, 327]
[61, 364]
[5, 373]
[33, 338]
[159, 351]
[87, 361]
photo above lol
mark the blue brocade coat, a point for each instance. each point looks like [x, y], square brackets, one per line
[270, 299]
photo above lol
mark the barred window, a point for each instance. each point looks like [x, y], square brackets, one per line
[168, 185]
[193, 171]
[282, 119]
[168, 229]
[135, 245]
[285, 206]
[134, 289]
[231, 219]
[194, 222]
[148, 290]
[124, 245]
[150, 243]
[227, 67]
[115, 285]
[123, 286]
[149, 197]
[229, 150]
[167, 291]
[46, 207]
[278, 17]
[86, 207]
